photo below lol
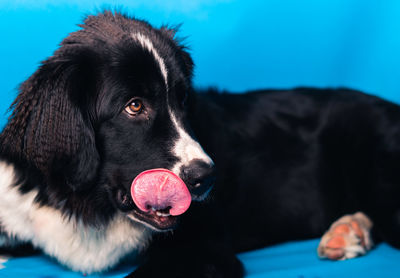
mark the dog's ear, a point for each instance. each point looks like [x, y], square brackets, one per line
[50, 128]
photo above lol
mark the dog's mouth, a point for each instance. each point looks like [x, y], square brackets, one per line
[159, 196]
[158, 220]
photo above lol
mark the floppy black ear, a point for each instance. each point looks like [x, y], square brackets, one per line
[50, 127]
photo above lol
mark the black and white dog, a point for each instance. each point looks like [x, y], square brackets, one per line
[108, 145]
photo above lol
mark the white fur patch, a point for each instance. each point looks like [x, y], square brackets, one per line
[186, 148]
[146, 43]
[80, 247]
[3, 259]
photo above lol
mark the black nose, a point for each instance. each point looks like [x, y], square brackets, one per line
[199, 176]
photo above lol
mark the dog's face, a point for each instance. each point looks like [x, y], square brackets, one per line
[108, 105]
[142, 107]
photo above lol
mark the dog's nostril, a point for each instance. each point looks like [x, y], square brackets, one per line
[198, 174]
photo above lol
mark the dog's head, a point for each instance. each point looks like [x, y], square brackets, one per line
[107, 106]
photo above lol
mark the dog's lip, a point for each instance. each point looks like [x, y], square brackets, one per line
[154, 219]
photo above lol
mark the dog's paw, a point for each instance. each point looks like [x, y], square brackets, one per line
[347, 238]
[3, 259]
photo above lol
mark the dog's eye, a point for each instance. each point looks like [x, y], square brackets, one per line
[134, 107]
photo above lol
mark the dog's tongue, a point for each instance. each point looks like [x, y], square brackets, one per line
[159, 189]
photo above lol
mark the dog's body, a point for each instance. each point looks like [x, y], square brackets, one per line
[301, 159]
[116, 99]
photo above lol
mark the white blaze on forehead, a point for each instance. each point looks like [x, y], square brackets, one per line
[146, 43]
[186, 148]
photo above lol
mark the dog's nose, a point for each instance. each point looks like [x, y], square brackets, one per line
[199, 177]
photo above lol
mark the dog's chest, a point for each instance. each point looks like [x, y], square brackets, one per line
[87, 249]
[81, 248]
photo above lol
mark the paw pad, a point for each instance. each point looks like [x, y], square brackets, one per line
[347, 238]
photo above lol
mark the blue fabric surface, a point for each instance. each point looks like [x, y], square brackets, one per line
[237, 45]
[295, 259]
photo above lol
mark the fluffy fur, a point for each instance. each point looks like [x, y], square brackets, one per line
[289, 162]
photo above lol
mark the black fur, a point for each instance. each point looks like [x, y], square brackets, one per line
[67, 132]
[289, 163]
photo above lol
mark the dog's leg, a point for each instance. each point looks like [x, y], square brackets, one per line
[347, 238]
[190, 261]
[3, 257]
[193, 250]
[13, 248]
[16, 250]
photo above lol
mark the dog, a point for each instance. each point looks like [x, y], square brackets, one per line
[111, 153]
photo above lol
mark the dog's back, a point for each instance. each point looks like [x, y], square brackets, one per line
[291, 162]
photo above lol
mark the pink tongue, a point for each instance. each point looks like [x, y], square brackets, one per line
[160, 189]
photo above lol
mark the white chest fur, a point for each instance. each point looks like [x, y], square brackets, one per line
[81, 248]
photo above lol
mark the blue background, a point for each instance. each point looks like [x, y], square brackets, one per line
[236, 45]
